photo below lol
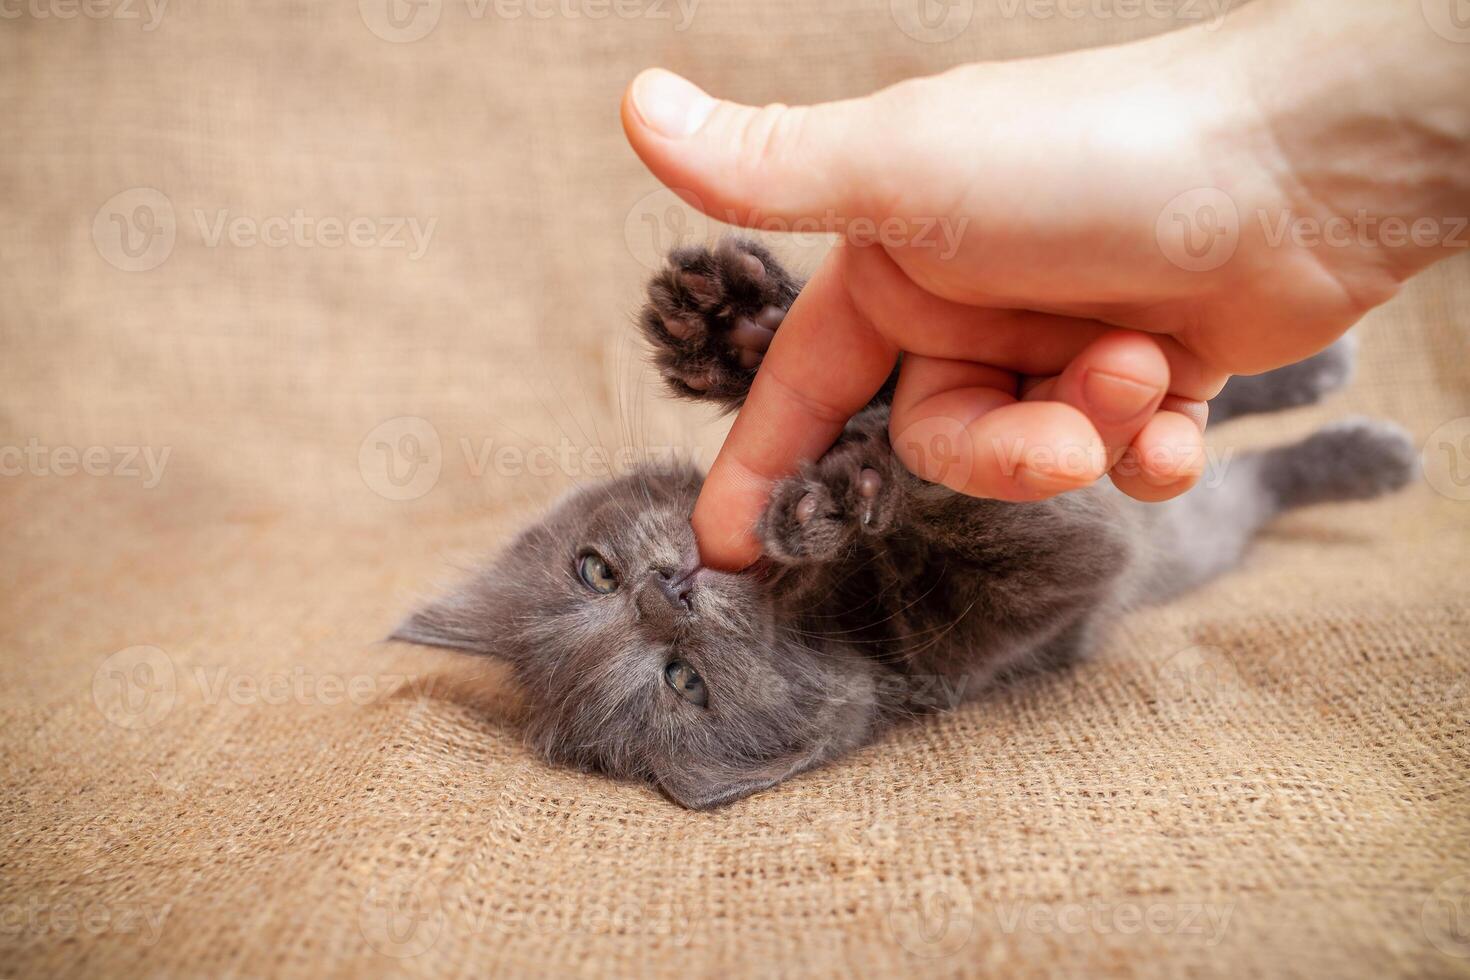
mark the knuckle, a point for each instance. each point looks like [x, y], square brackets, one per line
[768, 138]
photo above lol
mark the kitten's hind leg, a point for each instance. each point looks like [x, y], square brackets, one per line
[711, 314]
[1205, 532]
[1297, 384]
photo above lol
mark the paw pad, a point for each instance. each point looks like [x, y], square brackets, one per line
[754, 269]
[806, 509]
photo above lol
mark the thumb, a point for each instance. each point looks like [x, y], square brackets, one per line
[742, 164]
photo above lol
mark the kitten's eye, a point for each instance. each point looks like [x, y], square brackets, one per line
[598, 575]
[688, 684]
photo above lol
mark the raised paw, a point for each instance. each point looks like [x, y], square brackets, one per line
[849, 496]
[711, 315]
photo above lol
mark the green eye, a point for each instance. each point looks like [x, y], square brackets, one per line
[598, 575]
[686, 683]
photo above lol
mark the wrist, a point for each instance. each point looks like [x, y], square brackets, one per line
[1361, 114]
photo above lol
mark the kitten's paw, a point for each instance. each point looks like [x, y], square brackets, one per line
[1372, 456]
[711, 314]
[850, 494]
[1304, 383]
[1354, 459]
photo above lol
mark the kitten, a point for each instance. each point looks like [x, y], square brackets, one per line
[881, 596]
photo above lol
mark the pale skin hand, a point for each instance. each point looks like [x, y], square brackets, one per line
[1052, 331]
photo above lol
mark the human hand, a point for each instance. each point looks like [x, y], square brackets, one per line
[1009, 229]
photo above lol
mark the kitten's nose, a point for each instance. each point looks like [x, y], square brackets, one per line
[664, 599]
[676, 589]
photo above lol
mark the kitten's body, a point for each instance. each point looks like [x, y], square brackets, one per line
[881, 595]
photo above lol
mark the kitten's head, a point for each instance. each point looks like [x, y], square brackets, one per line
[640, 664]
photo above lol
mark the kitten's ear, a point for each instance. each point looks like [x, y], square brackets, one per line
[450, 622]
[706, 789]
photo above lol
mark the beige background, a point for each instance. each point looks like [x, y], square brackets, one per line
[1269, 776]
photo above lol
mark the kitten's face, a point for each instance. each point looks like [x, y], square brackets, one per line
[639, 664]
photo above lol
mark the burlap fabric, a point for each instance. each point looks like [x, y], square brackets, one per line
[212, 766]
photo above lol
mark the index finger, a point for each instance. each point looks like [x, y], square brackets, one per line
[824, 365]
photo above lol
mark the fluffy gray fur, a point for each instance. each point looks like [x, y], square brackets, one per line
[881, 596]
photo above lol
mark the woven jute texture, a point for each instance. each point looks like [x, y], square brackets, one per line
[212, 765]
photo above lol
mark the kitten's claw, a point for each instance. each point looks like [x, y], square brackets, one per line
[869, 483]
[711, 317]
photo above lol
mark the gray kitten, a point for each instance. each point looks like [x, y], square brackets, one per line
[881, 596]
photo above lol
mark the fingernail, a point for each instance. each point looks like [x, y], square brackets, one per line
[671, 106]
[1045, 484]
[1113, 399]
